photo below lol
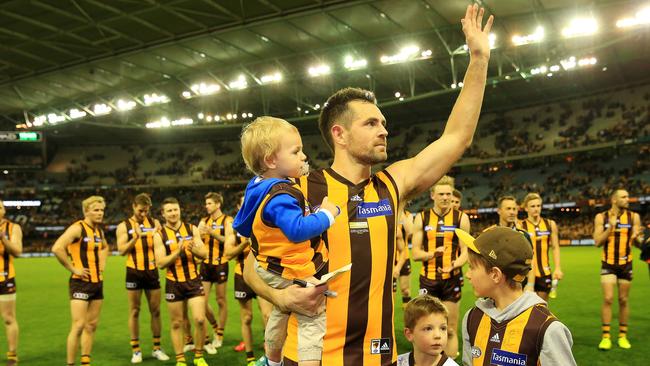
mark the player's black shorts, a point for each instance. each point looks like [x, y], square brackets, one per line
[406, 268]
[8, 287]
[445, 290]
[543, 284]
[86, 291]
[180, 291]
[142, 280]
[242, 290]
[622, 272]
[214, 273]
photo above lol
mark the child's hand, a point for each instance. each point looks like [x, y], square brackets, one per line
[332, 208]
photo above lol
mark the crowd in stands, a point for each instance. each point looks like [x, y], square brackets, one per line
[190, 170]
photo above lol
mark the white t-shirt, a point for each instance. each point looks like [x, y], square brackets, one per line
[406, 359]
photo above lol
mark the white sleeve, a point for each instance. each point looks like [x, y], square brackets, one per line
[467, 348]
[556, 348]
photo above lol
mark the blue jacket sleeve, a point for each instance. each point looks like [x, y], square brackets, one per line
[284, 212]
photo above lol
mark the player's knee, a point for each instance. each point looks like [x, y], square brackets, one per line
[9, 321]
[608, 300]
[155, 312]
[247, 319]
[135, 311]
[221, 302]
[177, 324]
[90, 327]
[622, 301]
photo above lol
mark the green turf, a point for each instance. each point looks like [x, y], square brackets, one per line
[44, 315]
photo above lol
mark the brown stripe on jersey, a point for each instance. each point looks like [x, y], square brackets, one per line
[96, 252]
[274, 265]
[426, 217]
[183, 257]
[440, 242]
[533, 335]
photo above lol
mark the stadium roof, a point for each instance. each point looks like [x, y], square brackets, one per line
[96, 57]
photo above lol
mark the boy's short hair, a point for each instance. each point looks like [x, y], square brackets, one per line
[420, 306]
[215, 197]
[457, 194]
[85, 204]
[509, 250]
[142, 199]
[444, 181]
[529, 197]
[260, 139]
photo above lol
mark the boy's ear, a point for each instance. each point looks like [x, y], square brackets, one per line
[497, 275]
[408, 334]
[270, 162]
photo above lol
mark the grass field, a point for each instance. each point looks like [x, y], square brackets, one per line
[44, 315]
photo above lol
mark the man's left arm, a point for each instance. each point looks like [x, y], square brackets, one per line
[555, 244]
[637, 232]
[417, 174]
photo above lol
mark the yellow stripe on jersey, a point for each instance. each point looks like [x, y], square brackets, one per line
[481, 339]
[7, 270]
[184, 268]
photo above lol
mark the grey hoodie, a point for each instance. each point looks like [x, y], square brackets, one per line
[556, 348]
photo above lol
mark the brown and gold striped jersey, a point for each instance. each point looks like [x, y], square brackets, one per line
[84, 251]
[438, 231]
[517, 341]
[215, 247]
[7, 270]
[141, 257]
[360, 329]
[540, 236]
[618, 248]
[185, 267]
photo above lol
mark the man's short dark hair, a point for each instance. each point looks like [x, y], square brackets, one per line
[505, 198]
[337, 106]
[169, 200]
[457, 194]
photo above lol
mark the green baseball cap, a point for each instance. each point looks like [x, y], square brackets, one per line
[508, 249]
